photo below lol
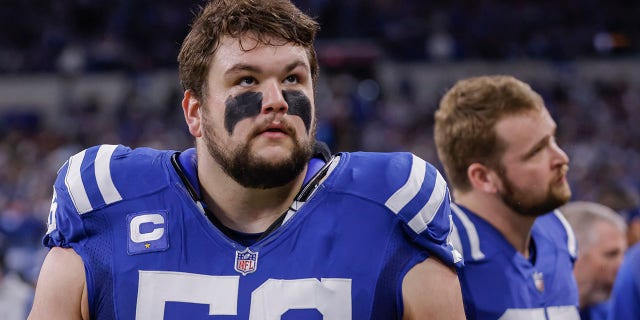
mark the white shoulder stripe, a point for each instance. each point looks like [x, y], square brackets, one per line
[420, 222]
[73, 181]
[454, 239]
[472, 233]
[103, 174]
[571, 237]
[411, 187]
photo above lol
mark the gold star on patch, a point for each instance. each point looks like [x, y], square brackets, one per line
[147, 245]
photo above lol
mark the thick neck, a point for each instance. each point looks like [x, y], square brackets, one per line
[515, 227]
[243, 209]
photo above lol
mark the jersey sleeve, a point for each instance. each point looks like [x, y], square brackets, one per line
[63, 224]
[95, 178]
[423, 203]
[411, 189]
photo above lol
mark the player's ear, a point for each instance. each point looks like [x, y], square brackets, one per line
[191, 108]
[482, 178]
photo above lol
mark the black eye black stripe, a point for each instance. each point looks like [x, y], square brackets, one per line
[249, 104]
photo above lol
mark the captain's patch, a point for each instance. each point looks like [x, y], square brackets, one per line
[147, 232]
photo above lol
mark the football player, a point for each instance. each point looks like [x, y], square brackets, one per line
[258, 221]
[496, 141]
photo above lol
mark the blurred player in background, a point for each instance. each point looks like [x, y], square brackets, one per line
[497, 143]
[258, 221]
[600, 233]
[632, 217]
[625, 299]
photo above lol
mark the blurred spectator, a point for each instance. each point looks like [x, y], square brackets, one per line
[95, 36]
[16, 295]
[625, 200]
[600, 233]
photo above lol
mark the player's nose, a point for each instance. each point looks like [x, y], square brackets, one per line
[273, 99]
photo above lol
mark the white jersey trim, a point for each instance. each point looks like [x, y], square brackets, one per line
[73, 181]
[572, 245]
[103, 174]
[472, 233]
[411, 187]
[454, 239]
[421, 221]
[296, 205]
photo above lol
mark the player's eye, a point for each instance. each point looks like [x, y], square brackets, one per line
[612, 254]
[247, 81]
[538, 149]
[291, 79]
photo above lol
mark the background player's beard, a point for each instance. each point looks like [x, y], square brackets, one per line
[524, 204]
[251, 172]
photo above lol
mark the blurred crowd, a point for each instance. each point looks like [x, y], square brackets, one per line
[142, 35]
[598, 120]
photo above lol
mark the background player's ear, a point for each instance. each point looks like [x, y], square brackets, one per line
[481, 178]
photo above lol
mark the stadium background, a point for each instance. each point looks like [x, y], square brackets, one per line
[75, 73]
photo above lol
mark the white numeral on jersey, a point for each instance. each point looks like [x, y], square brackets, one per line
[331, 297]
[553, 313]
[157, 287]
[51, 222]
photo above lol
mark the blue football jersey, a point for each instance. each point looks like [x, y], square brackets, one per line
[596, 312]
[625, 298]
[150, 252]
[500, 283]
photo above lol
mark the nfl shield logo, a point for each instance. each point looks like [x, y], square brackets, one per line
[246, 261]
[538, 280]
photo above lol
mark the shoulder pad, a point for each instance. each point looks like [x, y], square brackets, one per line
[410, 188]
[98, 177]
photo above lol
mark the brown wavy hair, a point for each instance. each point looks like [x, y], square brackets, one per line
[263, 20]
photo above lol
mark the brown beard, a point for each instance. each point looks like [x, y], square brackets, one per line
[251, 172]
[522, 203]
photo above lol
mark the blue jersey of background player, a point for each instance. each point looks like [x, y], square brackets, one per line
[245, 226]
[625, 298]
[496, 141]
[500, 283]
